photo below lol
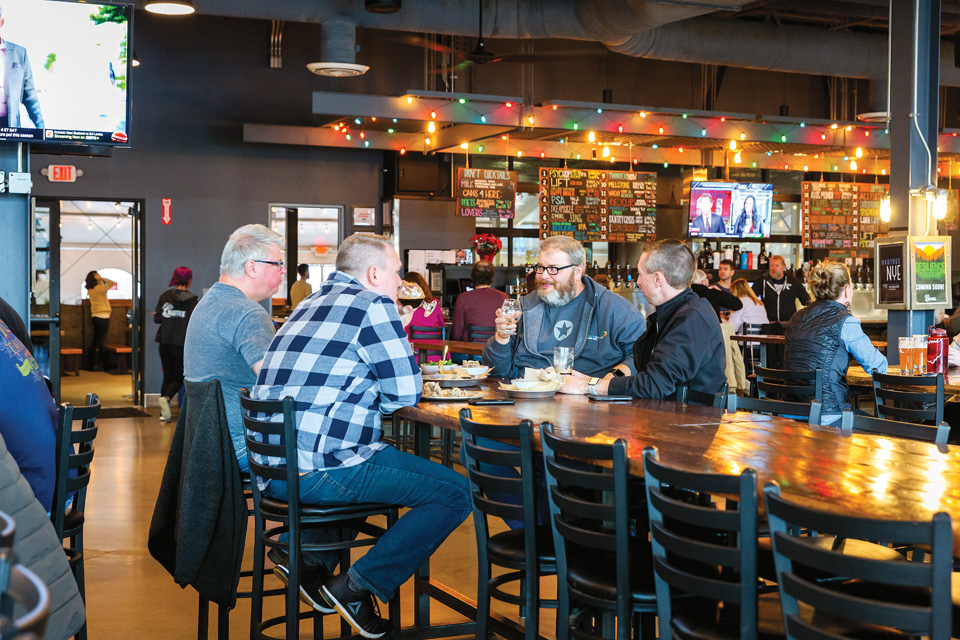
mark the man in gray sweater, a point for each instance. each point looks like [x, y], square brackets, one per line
[568, 309]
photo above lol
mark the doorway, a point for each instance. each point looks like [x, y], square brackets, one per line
[312, 234]
[74, 238]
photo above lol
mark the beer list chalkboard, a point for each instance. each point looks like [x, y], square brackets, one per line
[598, 205]
[841, 215]
[486, 193]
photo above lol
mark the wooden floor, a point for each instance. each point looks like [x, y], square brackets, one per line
[129, 595]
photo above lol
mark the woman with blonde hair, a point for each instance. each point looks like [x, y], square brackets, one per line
[824, 335]
[753, 311]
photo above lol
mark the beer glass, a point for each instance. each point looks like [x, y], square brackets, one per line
[563, 359]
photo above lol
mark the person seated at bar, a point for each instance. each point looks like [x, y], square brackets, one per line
[345, 359]
[682, 345]
[720, 300]
[429, 315]
[753, 311]
[479, 306]
[28, 416]
[825, 334]
[568, 309]
[229, 331]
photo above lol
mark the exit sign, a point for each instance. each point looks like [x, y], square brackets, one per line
[62, 173]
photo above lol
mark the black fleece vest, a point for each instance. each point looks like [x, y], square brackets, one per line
[813, 342]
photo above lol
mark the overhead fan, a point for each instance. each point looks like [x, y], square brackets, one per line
[480, 55]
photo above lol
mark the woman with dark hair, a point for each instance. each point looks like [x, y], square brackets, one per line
[750, 220]
[97, 288]
[173, 314]
[824, 335]
[429, 314]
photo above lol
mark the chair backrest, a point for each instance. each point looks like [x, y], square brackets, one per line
[19, 586]
[588, 505]
[851, 422]
[271, 446]
[794, 386]
[74, 453]
[477, 333]
[916, 399]
[685, 395]
[698, 549]
[811, 411]
[801, 568]
[426, 333]
[491, 493]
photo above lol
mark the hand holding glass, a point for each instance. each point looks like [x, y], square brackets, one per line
[510, 311]
[563, 359]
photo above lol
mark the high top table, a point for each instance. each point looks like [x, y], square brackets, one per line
[765, 341]
[864, 475]
[453, 346]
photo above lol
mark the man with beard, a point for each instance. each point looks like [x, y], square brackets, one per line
[567, 309]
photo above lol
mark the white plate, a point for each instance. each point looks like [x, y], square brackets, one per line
[517, 393]
[473, 395]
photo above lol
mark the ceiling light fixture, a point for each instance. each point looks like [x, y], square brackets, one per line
[339, 69]
[170, 7]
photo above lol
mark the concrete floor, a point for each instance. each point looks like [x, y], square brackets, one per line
[130, 595]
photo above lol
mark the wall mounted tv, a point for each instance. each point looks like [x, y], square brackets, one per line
[67, 72]
[730, 210]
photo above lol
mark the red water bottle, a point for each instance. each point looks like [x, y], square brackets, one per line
[937, 345]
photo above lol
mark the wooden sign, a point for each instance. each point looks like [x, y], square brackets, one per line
[486, 193]
[598, 205]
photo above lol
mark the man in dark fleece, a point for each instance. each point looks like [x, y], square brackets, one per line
[682, 345]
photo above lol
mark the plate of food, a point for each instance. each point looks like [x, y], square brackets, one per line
[433, 391]
[433, 368]
[535, 383]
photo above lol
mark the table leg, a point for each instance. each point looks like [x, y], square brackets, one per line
[763, 354]
[421, 611]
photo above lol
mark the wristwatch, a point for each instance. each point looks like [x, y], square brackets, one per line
[592, 386]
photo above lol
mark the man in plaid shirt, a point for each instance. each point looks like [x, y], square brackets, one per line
[344, 357]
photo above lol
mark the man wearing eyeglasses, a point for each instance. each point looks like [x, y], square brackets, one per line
[229, 331]
[567, 309]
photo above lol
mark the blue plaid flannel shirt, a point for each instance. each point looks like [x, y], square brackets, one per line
[344, 357]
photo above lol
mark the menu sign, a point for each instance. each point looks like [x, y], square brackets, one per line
[598, 205]
[890, 284]
[486, 193]
[931, 276]
[841, 215]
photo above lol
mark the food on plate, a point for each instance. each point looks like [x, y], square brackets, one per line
[433, 390]
[536, 380]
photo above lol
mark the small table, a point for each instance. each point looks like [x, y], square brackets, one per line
[857, 377]
[453, 346]
[764, 340]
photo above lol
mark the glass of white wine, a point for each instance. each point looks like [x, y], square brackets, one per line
[510, 309]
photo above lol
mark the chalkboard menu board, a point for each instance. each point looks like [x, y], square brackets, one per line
[890, 270]
[841, 215]
[486, 193]
[598, 205]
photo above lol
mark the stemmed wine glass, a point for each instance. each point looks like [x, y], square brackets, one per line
[510, 309]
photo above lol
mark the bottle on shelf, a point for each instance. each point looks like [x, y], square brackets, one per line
[746, 259]
[618, 277]
[629, 284]
[606, 269]
[727, 254]
[736, 257]
[763, 259]
[707, 254]
[717, 257]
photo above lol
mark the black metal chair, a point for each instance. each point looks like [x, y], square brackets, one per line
[19, 586]
[916, 399]
[795, 394]
[603, 571]
[813, 610]
[74, 452]
[478, 333]
[685, 395]
[751, 352]
[427, 333]
[276, 443]
[938, 435]
[705, 557]
[528, 552]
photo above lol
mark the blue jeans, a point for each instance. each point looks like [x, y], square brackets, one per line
[438, 497]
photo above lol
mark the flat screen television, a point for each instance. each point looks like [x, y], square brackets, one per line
[67, 72]
[730, 210]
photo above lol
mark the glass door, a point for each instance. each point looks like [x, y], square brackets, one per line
[45, 325]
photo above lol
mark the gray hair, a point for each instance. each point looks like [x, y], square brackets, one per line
[568, 245]
[673, 259]
[249, 242]
[361, 251]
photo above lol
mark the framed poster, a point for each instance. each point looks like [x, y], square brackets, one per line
[891, 274]
[364, 216]
[930, 270]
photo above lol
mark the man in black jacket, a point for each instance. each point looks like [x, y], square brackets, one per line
[780, 292]
[682, 345]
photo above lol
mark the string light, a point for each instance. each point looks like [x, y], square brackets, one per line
[733, 145]
[859, 152]
[743, 136]
[409, 99]
[853, 165]
[591, 137]
[403, 150]
[606, 152]
[431, 127]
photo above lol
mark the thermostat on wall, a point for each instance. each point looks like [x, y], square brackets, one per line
[18, 182]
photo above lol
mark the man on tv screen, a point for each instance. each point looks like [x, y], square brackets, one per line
[18, 80]
[707, 222]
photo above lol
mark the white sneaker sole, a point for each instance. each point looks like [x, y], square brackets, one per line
[345, 614]
[304, 596]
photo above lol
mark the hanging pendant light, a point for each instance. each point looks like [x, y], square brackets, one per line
[170, 7]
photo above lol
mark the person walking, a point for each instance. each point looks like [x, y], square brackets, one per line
[97, 288]
[173, 314]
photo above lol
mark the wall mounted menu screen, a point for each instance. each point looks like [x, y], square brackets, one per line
[598, 205]
[486, 193]
[890, 284]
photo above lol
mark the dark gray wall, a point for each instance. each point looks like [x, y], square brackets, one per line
[203, 77]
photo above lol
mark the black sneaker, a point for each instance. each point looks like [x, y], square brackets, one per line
[359, 608]
[310, 581]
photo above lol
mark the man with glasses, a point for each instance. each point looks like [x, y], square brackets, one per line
[229, 331]
[345, 358]
[567, 309]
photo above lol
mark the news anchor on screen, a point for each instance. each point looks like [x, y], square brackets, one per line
[707, 221]
[18, 80]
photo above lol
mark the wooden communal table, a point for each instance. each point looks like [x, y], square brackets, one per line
[765, 341]
[453, 346]
[857, 377]
[863, 475]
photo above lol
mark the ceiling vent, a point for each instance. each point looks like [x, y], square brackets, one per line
[382, 6]
[338, 69]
